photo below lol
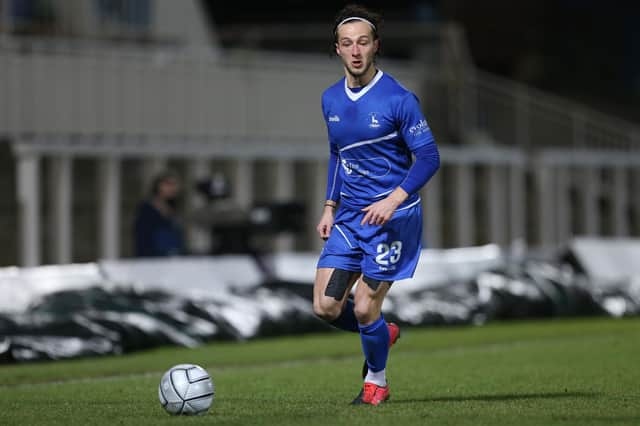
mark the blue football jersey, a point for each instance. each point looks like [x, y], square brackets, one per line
[374, 131]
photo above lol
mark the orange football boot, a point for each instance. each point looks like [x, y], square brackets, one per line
[372, 394]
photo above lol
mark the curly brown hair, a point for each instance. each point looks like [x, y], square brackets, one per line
[357, 11]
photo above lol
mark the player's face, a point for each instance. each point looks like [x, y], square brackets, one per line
[356, 47]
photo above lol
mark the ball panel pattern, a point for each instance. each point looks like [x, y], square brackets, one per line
[196, 373]
[186, 389]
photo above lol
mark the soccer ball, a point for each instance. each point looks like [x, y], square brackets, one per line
[186, 389]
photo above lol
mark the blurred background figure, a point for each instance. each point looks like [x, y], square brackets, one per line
[157, 230]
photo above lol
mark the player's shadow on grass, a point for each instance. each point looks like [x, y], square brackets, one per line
[500, 397]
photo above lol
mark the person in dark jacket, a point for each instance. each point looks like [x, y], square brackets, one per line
[157, 229]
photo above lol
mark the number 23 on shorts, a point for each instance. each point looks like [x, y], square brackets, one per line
[389, 254]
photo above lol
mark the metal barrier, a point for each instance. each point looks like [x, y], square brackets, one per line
[487, 194]
[518, 115]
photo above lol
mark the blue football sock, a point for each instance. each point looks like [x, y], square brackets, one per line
[347, 320]
[375, 344]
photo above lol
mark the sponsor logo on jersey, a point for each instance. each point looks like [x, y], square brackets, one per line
[366, 167]
[419, 128]
[373, 121]
[334, 118]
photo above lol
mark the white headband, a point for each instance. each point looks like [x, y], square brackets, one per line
[356, 18]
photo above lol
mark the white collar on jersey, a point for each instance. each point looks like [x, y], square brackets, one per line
[354, 96]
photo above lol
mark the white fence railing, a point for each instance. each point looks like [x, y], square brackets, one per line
[482, 194]
[518, 115]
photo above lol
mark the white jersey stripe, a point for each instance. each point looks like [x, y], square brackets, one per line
[383, 193]
[343, 234]
[410, 205]
[335, 176]
[369, 141]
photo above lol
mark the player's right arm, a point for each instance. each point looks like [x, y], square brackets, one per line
[334, 182]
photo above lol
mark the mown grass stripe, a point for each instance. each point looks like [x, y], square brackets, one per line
[456, 350]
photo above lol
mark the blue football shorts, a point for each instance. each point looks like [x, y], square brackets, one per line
[388, 252]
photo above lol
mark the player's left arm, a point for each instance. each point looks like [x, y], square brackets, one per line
[420, 140]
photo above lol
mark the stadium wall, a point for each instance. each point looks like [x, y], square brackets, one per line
[88, 126]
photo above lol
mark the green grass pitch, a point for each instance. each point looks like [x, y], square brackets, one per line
[553, 372]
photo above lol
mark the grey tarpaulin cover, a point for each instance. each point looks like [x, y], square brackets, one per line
[88, 310]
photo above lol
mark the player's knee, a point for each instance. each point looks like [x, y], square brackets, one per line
[364, 311]
[367, 306]
[326, 309]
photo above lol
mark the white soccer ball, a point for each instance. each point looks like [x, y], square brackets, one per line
[186, 389]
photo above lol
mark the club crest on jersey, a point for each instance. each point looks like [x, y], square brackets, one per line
[373, 120]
